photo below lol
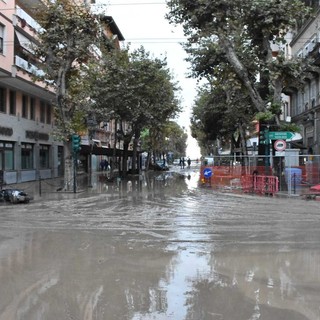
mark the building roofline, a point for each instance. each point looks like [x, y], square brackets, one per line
[113, 27]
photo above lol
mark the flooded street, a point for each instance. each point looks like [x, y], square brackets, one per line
[162, 248]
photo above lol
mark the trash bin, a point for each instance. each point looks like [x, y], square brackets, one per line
[293, 177]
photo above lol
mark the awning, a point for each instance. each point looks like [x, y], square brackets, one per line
[102, 151]
[96, 142]
[297, 145]
[24, 42]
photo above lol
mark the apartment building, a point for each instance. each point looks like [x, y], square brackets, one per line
[305, 101]
[28, 150]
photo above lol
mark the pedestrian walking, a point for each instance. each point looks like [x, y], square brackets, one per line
[106, 164]
[101, 165]
[189, 162]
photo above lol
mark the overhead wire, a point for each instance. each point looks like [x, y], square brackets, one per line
[153, 40]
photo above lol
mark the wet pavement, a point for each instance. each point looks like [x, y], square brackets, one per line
[159, 247]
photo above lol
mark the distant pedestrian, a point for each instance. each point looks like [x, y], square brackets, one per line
[102, 165]
[183, 163]
[189, 162]
[106, 164]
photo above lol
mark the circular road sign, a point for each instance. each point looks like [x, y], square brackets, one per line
[280, 145]
[207, 172]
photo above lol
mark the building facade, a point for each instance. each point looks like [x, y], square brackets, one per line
[28, 150]
[305, 101]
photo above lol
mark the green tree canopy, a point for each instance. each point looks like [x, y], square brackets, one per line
[136, 89]
[241, 33]
[66, 40]
[67, 37]
[165, 139]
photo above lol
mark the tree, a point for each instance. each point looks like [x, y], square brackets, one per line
[136, 90]
[175, 139]
[164, 140]
[240, 33]
[221, 114]
[68, 34]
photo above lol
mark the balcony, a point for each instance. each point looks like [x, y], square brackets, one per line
[30, 3]
[28, 67]
[26, 19]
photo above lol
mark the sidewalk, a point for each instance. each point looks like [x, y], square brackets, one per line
[53, 188]
[38, 188]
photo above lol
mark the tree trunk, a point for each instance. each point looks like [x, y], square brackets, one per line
[68, 167]
[125, 158]
[244, 144]
[242, 72]
[69, 170]
[277, 96]
[148, 161]
[135, 150]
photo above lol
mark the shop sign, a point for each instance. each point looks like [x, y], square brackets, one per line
[36, 135]
[4, 131]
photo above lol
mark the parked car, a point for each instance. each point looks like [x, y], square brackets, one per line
[208, 161]
[160, 166]
[176, 162]
[14, 196]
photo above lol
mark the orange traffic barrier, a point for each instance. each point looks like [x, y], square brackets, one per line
[260, 184]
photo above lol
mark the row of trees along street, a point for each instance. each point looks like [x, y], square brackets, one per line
[230, 48]
[91, 77]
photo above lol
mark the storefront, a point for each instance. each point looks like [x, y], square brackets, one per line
[29, 156]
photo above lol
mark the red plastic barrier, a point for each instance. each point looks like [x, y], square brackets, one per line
[260, 184]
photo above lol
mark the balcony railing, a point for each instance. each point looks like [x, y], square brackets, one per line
[22, 15]
[27, 66]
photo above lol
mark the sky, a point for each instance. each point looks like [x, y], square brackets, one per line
[143, 23]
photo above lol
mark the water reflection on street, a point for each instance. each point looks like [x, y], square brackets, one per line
[159, 247]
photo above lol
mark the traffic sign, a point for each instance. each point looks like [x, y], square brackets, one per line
[207, 172]
[280, 145]
[280, 135]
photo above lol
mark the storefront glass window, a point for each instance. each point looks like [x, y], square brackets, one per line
[44, 156]
[6, 156]
[26, 156]
[12, 102]
[42, 112]
[3, 107]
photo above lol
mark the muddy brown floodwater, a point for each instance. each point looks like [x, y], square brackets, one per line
[160, 249]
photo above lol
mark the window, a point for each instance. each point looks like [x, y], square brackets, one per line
[25, 106]
[300, 101]
[1, 38]
[3, 96]
[12, 106]
[32, 108]
[44, 156]
[6, 155]
[294, 105]
[42, 112]
[26, 156]
[48, 114]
